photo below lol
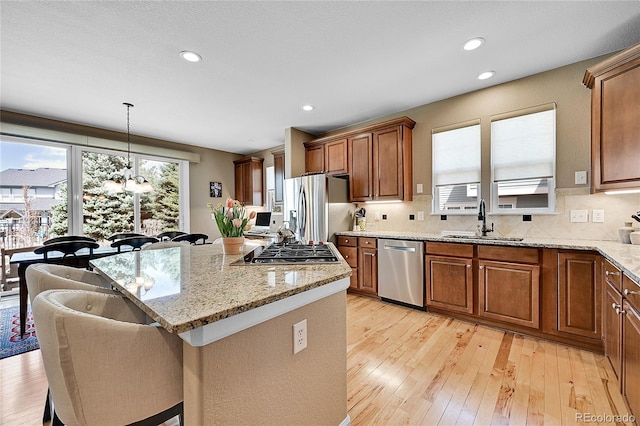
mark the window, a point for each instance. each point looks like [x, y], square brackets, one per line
[456, 168]
[523, 147]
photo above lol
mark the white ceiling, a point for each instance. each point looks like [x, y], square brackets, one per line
[78, 61]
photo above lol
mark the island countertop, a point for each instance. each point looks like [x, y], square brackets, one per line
[186, 288]
[624, 256]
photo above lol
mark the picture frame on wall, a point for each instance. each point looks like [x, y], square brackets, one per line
[215, 189]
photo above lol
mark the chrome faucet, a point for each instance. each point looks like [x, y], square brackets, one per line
[482, 215]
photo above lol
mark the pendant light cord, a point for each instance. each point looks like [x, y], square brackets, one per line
[128, 135]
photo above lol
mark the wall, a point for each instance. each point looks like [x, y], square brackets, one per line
[562, 86]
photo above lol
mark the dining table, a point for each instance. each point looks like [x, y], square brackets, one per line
[239, 360]
[27, 258]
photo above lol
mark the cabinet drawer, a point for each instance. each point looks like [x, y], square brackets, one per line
[367, 242]
[631, 290]
[347, 241]
[612, 275]
[449, 249]
[508, 254]
[350, 254]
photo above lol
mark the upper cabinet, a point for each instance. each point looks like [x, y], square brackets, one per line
[377, 158]
[249, 181]
[615, 121]
[278, 173]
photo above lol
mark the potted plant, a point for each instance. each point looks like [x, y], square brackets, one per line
[232, 222]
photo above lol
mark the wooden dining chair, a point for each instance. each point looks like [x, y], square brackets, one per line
[135, 243]
[121, 235]
[169, 235]
[192, 238]
[66, 238]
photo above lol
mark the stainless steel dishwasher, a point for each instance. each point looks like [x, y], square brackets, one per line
[401, 271]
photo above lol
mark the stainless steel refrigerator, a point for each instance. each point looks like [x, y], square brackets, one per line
[316, 206]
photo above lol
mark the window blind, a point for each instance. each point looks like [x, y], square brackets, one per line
[523, 146]
[456, 155]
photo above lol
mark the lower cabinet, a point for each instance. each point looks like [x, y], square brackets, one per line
[449, 276]
[612, 327]
[361, 255]
[631, 357]
[509, 292]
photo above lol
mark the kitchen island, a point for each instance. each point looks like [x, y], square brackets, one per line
[236, 322]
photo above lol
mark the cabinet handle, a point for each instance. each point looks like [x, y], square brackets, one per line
[481, 267]
[628, 292]
[615, 306]
[346, 257]
[468, 266]
[346, 240]
[607, 273]
[369, 254]
[620, 311]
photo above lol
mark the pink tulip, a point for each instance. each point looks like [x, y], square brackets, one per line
[252, 215]
[236, 223]
[229, 203]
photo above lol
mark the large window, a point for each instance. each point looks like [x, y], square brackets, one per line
[38, 181]
[523, 146]
[456, 168]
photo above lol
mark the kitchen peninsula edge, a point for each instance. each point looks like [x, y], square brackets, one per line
[236, 323]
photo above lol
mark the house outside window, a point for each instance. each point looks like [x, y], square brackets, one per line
[456, 168]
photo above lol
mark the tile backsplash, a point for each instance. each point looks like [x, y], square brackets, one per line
[617, 210]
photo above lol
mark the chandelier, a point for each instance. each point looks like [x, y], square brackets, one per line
[126, 180]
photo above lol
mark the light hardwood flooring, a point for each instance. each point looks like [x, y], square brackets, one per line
[411, 367]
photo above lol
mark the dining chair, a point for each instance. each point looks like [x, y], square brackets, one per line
[69, 249]
[163, 244]
[135, 242]
[192, 238]
[169, 235]
[43, 276]
[121, 235]
[104, 364]
[67, 238]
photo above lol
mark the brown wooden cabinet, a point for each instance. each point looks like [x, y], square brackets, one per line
[449, 276]
[362, 255]
[631, 357]
[612, 327]
[314, 159]
[361, 168]
[579, 294]
[278, 174]
[348, 248]
[327, 155]
[615, 121]
[248, 181]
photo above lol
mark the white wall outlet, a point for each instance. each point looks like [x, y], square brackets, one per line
[299, 336]
[597, 216]
[376, 215]
[419, 189]
[581, 178]
[420, 215]
[579, 216]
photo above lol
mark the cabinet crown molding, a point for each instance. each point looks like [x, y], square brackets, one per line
[608, 64]
[405, 121]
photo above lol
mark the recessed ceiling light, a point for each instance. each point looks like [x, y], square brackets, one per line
[485, 75]
[190, 56]
[308, 107]
[474, 43]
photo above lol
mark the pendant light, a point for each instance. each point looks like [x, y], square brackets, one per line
[126, 180]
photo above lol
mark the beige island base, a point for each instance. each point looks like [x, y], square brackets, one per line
[237, 326]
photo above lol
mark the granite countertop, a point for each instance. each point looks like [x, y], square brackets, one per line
[184, 288]
[624, 256]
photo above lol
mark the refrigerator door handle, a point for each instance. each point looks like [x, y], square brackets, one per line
[302, 216]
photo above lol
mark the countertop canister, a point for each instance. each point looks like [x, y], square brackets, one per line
[625, 231]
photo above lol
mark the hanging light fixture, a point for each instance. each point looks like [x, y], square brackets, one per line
[126, 180]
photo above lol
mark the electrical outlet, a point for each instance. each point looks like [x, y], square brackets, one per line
[597, 216]
[376, 215]
[580, 178]
[420, 215]
[412, 217]
[579, 216]
[419, 189]
[299, 336]
[384, 217]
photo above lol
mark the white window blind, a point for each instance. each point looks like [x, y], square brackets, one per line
[456, 155]
[523, 146]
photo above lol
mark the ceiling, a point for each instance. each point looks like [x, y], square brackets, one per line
[78, 61]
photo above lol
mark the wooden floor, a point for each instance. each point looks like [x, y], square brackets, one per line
[410, 367]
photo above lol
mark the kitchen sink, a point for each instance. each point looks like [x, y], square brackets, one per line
[486, 237]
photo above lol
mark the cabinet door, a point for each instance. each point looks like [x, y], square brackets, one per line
[368, 270]
[612, 328]
[335, 157]
[631, 358]
[278, 172]
[579, 294]
[509, 292]
[449, 282]
[314, 159]
[239, 183]
[361, 170]
[387, 161]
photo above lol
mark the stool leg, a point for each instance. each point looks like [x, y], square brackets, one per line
[47, 408]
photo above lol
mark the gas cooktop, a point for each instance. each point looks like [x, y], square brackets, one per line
[289, 254]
